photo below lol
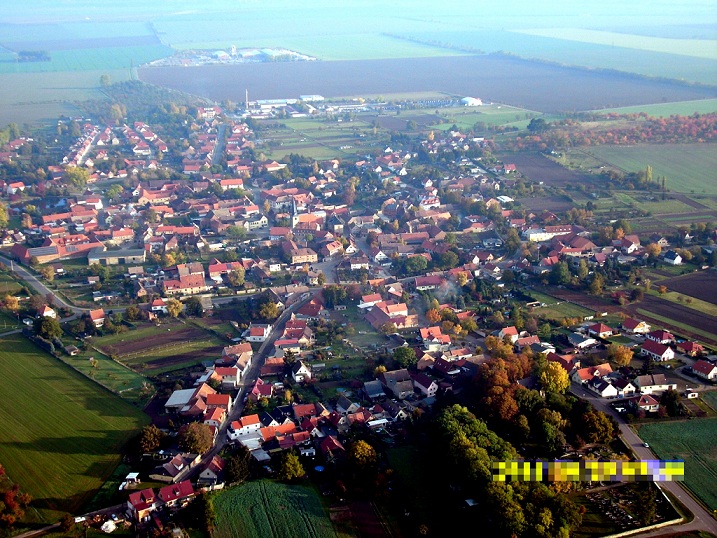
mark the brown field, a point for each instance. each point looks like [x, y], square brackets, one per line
[494, 78]
[537, 167]
[168, 338]
[681, 314]
[701, 285]
[546, 203]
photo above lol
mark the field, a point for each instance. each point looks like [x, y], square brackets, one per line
[663, 110]
[60, 433]
[694, 441]
[154, 350]
[689, 168]
[702, 285]
[537, 167]
[264, 508]
[496, 77]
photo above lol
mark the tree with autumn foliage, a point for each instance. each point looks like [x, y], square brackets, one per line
[621, 355]
[12, 503]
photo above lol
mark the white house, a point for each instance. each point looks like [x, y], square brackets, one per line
[257, 332]
[654, 384]
[673, 258]
[705, 369]
[300, 372]
[657, 352]
[602, 387]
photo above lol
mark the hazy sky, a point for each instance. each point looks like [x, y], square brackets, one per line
[584, 13]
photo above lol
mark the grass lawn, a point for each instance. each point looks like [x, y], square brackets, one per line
[694, 441]
[60, 434]
[558, 311]
[711, 398]
[120, 379]
[264, 508]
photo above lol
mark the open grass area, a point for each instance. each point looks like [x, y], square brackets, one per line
[664, 110]
[264, 508]
[60, 433]
[565, 309]
[689, 168]
[695, 442]
[118, 378]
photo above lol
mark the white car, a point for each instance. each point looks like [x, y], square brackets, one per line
[645, 445]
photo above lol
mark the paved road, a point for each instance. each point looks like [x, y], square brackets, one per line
[703, 519]
[247, 382]
[38, 286]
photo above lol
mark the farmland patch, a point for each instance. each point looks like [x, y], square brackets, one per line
[61, 434]
[263, 508]
[702, 285]
[694, 441]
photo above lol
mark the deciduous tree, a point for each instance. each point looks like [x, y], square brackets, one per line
[290, 467]
[174, 307]
[621, 355]
[554, 378]
[195, 438]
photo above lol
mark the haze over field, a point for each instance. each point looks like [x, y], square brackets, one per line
[655, 39]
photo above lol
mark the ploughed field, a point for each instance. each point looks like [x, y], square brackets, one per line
[701, 285]
[491, 77]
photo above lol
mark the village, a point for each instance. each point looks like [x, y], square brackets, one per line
[361, 292]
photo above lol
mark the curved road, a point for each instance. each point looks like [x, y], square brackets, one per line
[38, 286]
[703, 520]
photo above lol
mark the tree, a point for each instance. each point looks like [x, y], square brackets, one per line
[545, 331]
[133, 313]
[597, 285]
[653, 250]
[290, 467]
[77, 177]
[554, 378]
[433, 316]
[672, 402]
[195, 438]
[3, 216]
[236, 277]
[321, 279]
[11, 303]
[538, 125]
[193, 307]
[637, 295]
[405, 356]
[105, 80]
[237, 233]
[559, 274]
[621, 355]
[269, 311]
[174, 307]
[150, 439]
[101, 271]
[237, 468]
[48, 328]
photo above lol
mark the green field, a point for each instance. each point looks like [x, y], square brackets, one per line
[689, 168]
[698, 48]
[264, 508]
[694, 441]
[490, 115]
[565, 309]
[711, 398]
[60, 434]
[664, 110]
